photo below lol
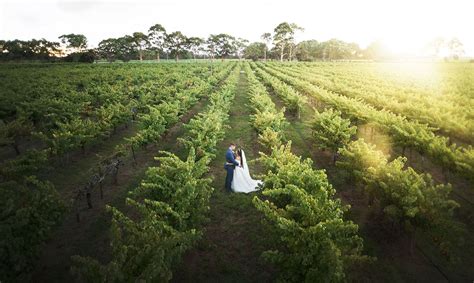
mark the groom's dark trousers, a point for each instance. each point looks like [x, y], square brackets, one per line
[229, 167]
[229, 177]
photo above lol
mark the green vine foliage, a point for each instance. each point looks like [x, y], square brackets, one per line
[315, 242]
[172, 202]
[404, 132]
[30, 209]
[330, 130]
[408, 199]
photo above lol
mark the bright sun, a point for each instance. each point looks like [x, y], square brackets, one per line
[404, 44]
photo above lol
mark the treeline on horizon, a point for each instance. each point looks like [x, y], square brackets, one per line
[157, 43]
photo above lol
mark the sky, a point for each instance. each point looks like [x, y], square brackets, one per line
[403, 25]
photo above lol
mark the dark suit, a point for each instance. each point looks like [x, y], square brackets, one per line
[229, 167]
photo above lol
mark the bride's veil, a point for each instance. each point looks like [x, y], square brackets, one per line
[244, 161]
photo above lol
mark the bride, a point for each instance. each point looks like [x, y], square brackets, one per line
[242, 181]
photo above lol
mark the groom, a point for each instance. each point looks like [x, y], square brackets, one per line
[230, 166]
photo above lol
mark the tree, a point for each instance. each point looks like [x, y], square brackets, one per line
[126, 48]
[176, 43]
[34, 49]
[291, 43]
[194, 45]
[267, 38]
[354, 50]
[157, 37]
[122, 48]
[140, 40]
[88, 56]
[283, 38]
[309, 50]
[108, 49]
[211, 47]
[221, 45]
[376, 50]
[240, 45]
[48, 48]
[14, 49]
[280, 38]
[335, 49]
[332, 131]
[455, 47]
[74, 41]
[436, 45]
[255, 51]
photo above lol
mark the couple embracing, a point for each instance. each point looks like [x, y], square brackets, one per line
[238, 177]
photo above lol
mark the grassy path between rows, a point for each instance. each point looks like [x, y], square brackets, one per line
[234, 237]
[90, 237]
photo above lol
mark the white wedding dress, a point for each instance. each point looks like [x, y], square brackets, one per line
[243, 182]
